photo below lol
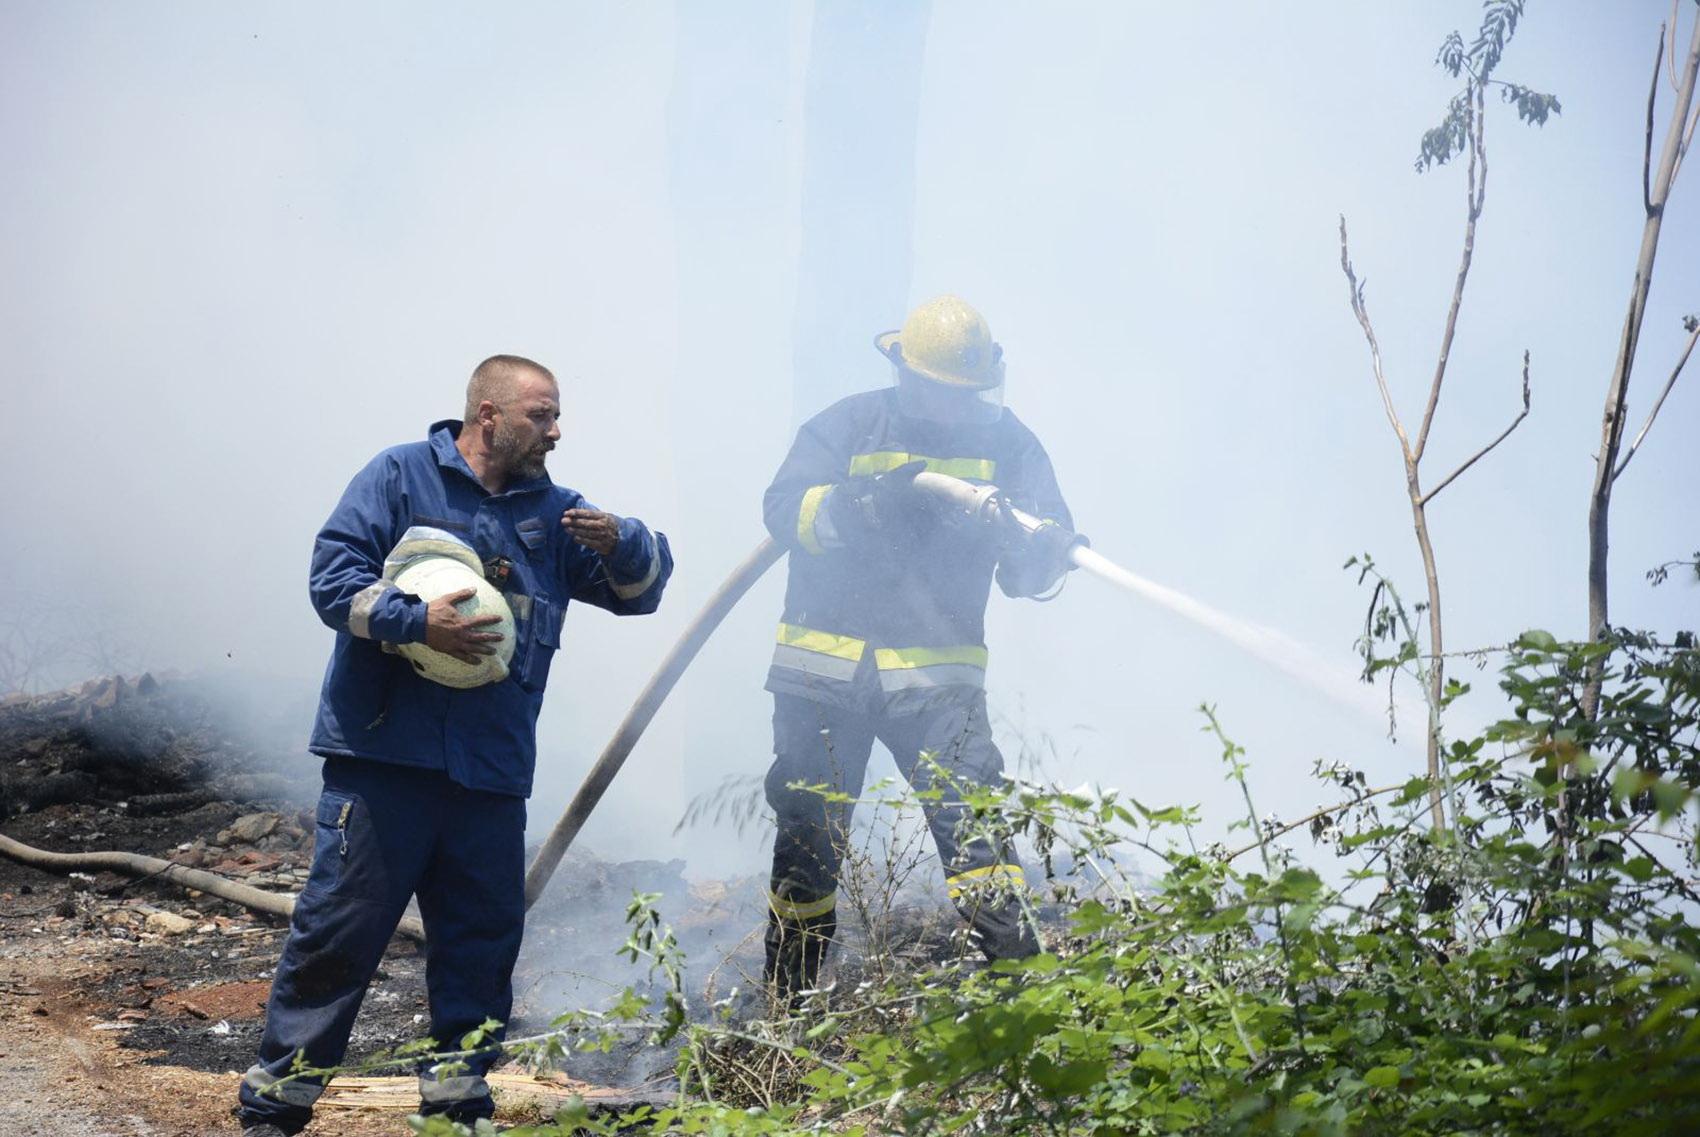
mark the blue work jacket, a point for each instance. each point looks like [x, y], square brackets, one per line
[373, 705]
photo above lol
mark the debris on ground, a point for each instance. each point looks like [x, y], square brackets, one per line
[135, 1004]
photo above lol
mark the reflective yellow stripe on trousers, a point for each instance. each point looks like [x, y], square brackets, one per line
[975, 469]
[801, 910]
[289, 1092]
[1003, 875]
[905, 668]
[824, 654]
[435, 1089]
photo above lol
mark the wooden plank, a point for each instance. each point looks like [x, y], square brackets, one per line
[551, 1091]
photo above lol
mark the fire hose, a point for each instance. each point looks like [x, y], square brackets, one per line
[280, 904]
[982, 503]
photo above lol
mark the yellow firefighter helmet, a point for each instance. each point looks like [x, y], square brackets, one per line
[947, 341]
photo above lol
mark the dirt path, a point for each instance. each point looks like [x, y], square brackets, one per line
[64, 1071]
[128, 1010]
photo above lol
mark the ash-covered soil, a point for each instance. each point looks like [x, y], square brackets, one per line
[158, 993]
[131, 1006]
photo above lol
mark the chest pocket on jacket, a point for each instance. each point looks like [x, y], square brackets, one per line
[533, 534]
[539, 637]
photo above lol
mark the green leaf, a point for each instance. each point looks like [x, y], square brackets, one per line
[1639, 869]
[1296, 884]
[1065, 1079]
[1669, 797]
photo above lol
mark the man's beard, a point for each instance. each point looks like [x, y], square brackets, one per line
[517, 461]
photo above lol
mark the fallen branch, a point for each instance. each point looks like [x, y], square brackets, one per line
[134, 864]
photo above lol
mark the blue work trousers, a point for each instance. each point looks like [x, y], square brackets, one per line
[385, 833]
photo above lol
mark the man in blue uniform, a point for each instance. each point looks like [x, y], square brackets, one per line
[883, 631]
[425, 784]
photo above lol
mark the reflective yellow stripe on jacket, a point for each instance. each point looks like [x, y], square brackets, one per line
[905, 668]
[806, 519]
[976, 469]
[824, 654]
[829, 655]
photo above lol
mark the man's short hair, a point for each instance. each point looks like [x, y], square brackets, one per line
[496, 378]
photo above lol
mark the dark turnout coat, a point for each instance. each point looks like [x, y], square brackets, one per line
[914, 599]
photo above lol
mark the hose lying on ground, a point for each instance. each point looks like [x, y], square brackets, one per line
[134, 864]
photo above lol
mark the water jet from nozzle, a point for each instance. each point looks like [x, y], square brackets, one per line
[1272, 647]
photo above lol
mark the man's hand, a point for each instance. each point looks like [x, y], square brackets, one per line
[597, 531]
[866, 504]
[455, 635]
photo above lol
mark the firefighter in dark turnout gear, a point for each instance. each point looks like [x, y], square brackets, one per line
[883, 630]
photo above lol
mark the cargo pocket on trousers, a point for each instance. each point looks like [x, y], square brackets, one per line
[346, 859]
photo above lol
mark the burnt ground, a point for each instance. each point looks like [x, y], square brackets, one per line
[131, 1006]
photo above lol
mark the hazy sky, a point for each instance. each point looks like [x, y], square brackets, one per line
[249, 245]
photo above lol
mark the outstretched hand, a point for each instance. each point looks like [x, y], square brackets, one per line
[453, 634]
[597, 531]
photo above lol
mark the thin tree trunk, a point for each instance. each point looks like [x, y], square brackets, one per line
[1476, 193]
[1437, 661]
[1656, 193]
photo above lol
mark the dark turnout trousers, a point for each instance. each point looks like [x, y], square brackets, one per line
[821, 744]
[385, 833]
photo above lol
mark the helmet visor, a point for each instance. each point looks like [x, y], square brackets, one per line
[922, 398]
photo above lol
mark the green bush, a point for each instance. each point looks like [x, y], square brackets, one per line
[1531, 970]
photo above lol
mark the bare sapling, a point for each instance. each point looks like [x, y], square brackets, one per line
[1462, 132]
[1608, 465]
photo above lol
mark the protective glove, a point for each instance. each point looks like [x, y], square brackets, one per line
[1034, 561]
[866, 504]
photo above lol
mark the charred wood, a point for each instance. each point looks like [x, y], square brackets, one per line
[24, 795]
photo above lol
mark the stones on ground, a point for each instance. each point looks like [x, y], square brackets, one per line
[248, 828]
[168, 923]
[109, 692]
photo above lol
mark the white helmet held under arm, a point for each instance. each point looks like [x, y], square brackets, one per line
[432, 563]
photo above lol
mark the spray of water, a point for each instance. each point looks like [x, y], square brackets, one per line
[1273, 647]
[1296, 659]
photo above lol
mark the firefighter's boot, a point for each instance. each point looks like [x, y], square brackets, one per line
[796, 949]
